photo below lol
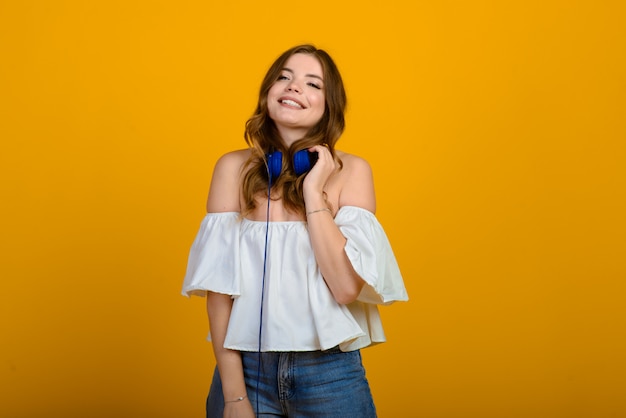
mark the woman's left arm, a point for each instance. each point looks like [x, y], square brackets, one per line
[326, 239]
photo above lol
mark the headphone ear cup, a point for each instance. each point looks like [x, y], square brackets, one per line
[274, 165]
[302, 161]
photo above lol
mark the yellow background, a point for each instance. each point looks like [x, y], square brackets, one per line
[496, 131]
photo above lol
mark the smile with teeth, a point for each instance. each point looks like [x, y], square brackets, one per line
[291, 103]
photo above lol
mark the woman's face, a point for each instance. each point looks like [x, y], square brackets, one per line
[295, 102]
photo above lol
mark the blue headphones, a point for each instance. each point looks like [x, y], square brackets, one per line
[303, 161]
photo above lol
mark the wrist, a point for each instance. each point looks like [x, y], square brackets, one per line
[314, 200]
[235, 400]
[311, 212]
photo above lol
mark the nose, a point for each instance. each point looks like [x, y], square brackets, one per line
[293, 86]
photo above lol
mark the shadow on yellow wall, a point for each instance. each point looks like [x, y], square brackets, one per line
[496, 133]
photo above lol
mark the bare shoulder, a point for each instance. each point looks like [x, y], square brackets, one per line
[357, 182]
[354, 164]
[226, 181]
[232, 161]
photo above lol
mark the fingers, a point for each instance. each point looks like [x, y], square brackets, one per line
[323, 153]
[325, 163]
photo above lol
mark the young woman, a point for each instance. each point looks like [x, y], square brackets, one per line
[291, 257]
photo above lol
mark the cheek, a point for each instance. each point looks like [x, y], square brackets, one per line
[321, 104]
[271, 99]
[271, 94]
[276, 89]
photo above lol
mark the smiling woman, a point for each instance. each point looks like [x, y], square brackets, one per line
[293, 262]
[296, 100]
[496, 134]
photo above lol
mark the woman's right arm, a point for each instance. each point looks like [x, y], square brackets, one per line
[228, 361]
[224, 197]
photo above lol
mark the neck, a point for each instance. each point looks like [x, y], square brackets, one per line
[289, 136]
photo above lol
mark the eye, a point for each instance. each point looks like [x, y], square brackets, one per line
[282, 77]
[315, 86]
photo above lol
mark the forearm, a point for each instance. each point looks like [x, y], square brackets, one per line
[329, 248]
[228, 361]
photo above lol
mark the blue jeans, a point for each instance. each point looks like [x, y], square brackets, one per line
[312, 384]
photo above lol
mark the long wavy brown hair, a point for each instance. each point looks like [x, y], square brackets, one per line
[263, 137]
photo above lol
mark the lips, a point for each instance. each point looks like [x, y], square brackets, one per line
[290, 102]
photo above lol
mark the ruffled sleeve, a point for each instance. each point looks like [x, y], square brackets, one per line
[371, 256]
[213, 262]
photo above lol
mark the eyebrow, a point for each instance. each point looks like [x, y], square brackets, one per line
[306, 75]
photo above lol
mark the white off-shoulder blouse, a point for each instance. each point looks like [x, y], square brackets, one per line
[299, 311]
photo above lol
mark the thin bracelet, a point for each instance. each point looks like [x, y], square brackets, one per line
[239, 399]
[319, 210]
